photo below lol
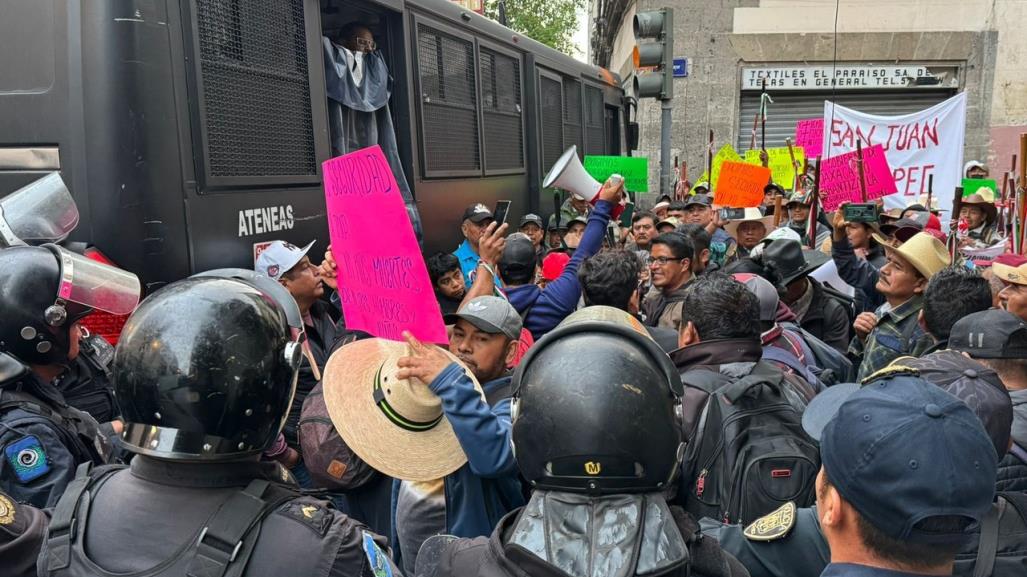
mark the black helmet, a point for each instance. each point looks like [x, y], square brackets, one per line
[206, 370]
[46, 290]
[595, 408]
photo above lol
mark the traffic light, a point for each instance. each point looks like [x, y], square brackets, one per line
[657, 25]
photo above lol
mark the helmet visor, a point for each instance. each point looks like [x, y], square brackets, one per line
[96, 285]
[38, 213]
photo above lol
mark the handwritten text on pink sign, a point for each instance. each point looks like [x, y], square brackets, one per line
[383, 282]
[809, 135]
[839, 178]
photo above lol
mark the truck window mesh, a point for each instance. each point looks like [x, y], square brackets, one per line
[572, 115]
[256, 91]
[552, 121]
[501, 110]
[594, 121]
[448, 97]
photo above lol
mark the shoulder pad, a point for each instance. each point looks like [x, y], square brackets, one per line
[773, 526]
[893, 370]
[7, 510]
[310, 513]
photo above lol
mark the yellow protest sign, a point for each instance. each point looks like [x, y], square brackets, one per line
[725, 154]
[781, 170]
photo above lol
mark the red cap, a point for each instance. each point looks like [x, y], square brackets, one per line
[553, 265]
[933, 223]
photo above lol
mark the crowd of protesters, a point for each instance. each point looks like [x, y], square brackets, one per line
[681, 394]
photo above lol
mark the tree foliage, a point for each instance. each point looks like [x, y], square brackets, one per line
[551, 22]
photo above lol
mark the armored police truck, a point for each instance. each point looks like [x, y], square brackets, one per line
[192, 131]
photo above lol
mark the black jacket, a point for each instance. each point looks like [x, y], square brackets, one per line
[494, 557]
[1012, 471]
[827, 319]
[22, 530]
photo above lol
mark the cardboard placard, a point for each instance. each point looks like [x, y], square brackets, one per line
[972, 185]
[383, 282]
[809, 134]
[726, 153]
[741, 185]
[782, 171]
[634, 169]
[839, 178]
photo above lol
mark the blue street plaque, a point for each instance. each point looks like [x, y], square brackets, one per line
[680, 68]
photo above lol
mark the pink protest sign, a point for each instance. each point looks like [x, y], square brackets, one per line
[839, 178]
[383, 282]
[809, 135]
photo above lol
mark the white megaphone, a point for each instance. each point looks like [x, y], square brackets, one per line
[569, 174]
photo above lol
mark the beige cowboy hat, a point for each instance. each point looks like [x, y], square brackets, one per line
[751, 215]
[396, 426]
[926, 253]
[985, 199]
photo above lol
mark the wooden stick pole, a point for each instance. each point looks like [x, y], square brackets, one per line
[862, 173]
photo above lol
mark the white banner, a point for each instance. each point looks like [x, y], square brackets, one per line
[916, 145]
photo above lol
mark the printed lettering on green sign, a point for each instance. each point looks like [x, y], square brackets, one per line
[634, 169]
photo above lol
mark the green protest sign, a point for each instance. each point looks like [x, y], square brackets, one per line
[634, 169]
[782, 171]
[725, 154]
[972, 185]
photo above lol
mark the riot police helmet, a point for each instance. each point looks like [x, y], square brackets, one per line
[595, 408]
[46, 290]
[205, 370]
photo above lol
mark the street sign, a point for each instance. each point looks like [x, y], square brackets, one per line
[680, 68]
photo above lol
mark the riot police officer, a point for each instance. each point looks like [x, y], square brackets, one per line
[44, 212]
[45, 292]
[205, 371]
[596, 435]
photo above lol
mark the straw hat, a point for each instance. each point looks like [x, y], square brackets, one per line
[671, 220]
[1011, 268]
[985, 199]
[926, 253]
[751, 215]
[404, 433]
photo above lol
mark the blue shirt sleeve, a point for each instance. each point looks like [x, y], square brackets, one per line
[856, 272]
[484, 432]
[560, 297]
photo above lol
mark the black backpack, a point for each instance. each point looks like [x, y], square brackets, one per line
[1002, 548]
[747, 452]
[848, 303]
[834, 366]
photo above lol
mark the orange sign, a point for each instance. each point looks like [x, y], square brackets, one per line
[741, 185]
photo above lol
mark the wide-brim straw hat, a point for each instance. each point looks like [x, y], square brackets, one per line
[751, 215]
[396, 426]
[926, 253]
[985, 199]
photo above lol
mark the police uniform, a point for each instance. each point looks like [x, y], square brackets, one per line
[784, 543]
[241, 518]
[42, 438]
[203, 395]
[22, 529]
[86, 384]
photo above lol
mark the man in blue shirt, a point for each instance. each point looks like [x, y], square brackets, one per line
[476, 219]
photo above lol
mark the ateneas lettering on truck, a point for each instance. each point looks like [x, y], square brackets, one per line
[264, 220]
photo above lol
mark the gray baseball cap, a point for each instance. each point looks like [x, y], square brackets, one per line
[494, 315]
[279, 258]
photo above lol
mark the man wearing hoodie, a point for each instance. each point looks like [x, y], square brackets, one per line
[998, 340]
[543, 309]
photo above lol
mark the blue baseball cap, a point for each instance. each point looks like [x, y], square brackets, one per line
[901, 450]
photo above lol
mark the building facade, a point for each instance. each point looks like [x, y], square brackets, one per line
[887, 57]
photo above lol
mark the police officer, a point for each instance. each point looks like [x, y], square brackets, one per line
[598, 477]
[45, 212]
[45, 292]
[205, 371]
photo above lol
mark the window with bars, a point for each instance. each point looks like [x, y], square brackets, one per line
[572, 115]
[447, 72]
[551, 93]
[501, 111]
[256, 101]
[595, 128]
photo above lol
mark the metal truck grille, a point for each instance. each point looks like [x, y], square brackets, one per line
[501, 110]
[256, 96]
[450, 117]
[572, 115]
[552, 122]
[595, 141]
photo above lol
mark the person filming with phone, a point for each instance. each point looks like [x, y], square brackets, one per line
[543, 309]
